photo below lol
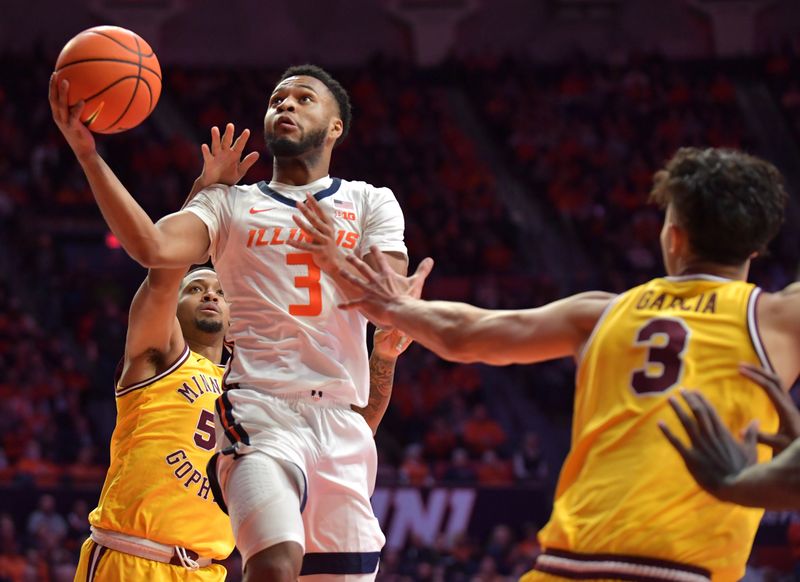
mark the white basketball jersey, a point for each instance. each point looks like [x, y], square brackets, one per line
[289, 335]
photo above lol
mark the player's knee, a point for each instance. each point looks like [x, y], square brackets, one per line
[279, 563]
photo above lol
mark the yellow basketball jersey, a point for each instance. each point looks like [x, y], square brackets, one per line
[156, 486]
[623, 489]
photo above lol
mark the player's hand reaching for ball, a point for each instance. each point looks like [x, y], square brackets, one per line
[68, 119]
[222, 160]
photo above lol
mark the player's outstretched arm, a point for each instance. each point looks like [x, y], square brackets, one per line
[465, 333]
[154, 338]
[178, 240]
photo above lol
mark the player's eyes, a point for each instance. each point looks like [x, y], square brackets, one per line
[306, 98]
[276, 100]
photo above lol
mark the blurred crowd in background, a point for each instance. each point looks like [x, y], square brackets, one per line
[583, 139]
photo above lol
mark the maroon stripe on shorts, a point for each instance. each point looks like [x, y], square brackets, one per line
[95, 556]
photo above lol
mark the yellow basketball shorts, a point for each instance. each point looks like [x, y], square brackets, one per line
[100, 564]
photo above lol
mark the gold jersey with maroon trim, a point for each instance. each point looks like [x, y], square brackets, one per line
[623, 490]
[156, 487]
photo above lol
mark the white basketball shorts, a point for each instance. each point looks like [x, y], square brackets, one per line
[322, 498]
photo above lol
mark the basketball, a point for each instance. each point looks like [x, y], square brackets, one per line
[116, 72]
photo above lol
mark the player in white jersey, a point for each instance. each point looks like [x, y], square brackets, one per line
[298, 463]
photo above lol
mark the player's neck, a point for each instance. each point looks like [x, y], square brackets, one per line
[735, 272]
[210, 348]
[301, 170]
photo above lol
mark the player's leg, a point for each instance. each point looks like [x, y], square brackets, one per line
[263, 496]
[343, 536]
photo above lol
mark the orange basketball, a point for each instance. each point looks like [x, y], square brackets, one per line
[116, 72]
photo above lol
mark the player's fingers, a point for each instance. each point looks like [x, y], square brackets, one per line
[767, 380]
[674, 441]
[711, 414]
[775, 441]
[241, 141]
[52, 94]
[689, 423]
[419, 277]
[206, 153]
[700, 412]
[352, 304]
[63, 94]
[227, 137]
[750, 437]
[215, 139]
[315, 215]
[363, 268]
[318, 210]
[355, 281]
[76, 111]
[402, 344]
[781, 400]
[302, 245]
[247, 163]
[380, 257]
[306, 227]
[424, 268]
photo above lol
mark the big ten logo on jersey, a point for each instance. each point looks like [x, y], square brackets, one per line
[344, 209]
[192, 478]
[346, 214]
[403, 512]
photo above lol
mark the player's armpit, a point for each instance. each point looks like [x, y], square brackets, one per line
[154, 334]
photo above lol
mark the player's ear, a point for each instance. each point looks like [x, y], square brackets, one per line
[336, 128]
[677, 240]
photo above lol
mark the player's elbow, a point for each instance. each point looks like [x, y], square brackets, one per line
[155, 253]
[145, 253]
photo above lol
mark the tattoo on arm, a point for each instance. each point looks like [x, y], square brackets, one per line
[381, 380]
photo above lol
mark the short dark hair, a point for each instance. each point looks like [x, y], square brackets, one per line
[730, 203]
[336, 89]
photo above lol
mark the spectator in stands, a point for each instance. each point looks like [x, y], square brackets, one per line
[460, 470]
[45, 524]
[529, 464]
[481, 432]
